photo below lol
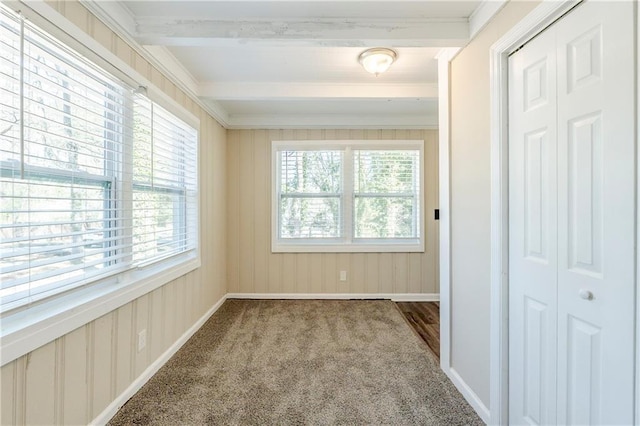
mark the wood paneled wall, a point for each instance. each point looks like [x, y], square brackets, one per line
[253, 268]
[75, 377]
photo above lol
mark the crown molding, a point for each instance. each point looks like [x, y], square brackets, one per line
[170, 65]
[120, 20]
[114, 14]
[483, 14]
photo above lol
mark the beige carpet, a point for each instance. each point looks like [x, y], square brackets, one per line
[301, 362]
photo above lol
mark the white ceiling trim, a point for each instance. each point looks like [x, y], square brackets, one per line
[482, 15]
[292, 91]
[120, 20]
[332, 121]
[334, 32]
[173, 67]
[115, 15]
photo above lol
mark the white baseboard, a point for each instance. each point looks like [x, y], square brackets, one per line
[469, 395]
[415, 297]
[399, 297]
[121, 399]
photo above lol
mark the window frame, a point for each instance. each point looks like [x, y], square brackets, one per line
[27, 327]
[347, 243]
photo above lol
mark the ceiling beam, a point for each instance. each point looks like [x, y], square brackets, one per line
[292, 91]
[334, 32]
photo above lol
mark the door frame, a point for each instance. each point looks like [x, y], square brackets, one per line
[531, 25]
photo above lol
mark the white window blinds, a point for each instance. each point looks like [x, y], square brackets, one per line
[386, 193]
[71, 210]
[348, 196]
[310, 194]
[164, 200]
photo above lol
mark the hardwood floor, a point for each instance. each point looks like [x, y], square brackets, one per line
[424, 317]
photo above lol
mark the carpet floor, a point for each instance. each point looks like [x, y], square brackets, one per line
[316, 362]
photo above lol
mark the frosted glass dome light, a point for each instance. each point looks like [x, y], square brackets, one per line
[377, 60]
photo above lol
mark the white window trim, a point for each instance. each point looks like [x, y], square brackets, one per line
[343, 245]
[27, 328]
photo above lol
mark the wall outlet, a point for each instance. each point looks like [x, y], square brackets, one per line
[142, 339]
[343, 275]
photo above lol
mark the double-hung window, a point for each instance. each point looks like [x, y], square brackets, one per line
[347, 196]
[96, 181]
[164, 198]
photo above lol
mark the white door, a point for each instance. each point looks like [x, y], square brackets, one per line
[533, 233]
[571, 226]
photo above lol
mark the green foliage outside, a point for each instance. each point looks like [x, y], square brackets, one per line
[386, 186]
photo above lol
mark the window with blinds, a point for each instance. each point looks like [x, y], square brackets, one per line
[347, 196]
[386, 193]
[94, 179]
[310, 194]
[164, 198]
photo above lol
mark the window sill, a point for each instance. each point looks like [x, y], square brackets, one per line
[30, 328]
[347, 248]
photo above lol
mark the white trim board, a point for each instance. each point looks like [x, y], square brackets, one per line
[469, 395]
[637, 395]
[483, 14]
[152, 369]
[119, 20]
[534, 23]
[444, 67]
[444, 203]
[395, 297]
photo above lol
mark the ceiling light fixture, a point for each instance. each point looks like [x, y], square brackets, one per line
[377, 60]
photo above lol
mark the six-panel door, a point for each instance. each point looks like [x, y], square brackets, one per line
[572, 195]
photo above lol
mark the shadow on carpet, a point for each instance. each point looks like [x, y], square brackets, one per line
[316, 362]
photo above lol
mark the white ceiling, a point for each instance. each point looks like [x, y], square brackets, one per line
[284, 64]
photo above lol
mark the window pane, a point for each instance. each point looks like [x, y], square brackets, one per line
[142, 147]
[158, 223]
[311, 172]
[58, 223]
[53, 234]
[68, 109]
[386, 191]
[386, 172]
[9, 90]
[165, 183]
[385, 217]
[174, 150]
[304, 217]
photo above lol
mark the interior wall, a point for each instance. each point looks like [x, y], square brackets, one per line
[74, 378]
[471, 202]
[253, 268]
